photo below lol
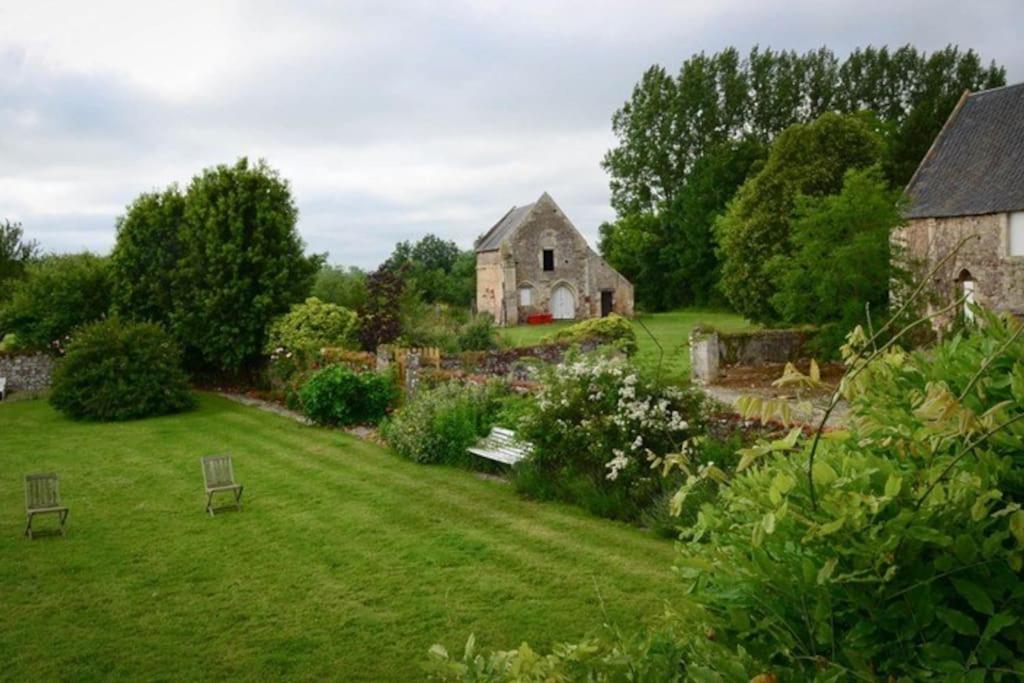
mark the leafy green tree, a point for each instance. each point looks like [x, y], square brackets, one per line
[849, 232]
[670, 122]
[242, 264]
[146, 255]
[670, 256]
[806, 159]
[341, 286]
[630, 245]
[437, 269]
[58, 294]
[15, 254]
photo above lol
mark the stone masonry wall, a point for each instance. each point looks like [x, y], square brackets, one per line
[710, 350]
[998, 277]
[26, 373]
[548, 228]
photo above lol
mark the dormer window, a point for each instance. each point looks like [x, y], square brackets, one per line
[549, 259]
[1015, 234]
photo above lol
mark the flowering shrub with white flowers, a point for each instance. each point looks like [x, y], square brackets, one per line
[599, 428]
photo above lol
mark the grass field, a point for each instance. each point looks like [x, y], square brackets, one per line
[671, 330]
[347, 562]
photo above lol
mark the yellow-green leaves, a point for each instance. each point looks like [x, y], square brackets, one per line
[748, 456]
[1017, 526]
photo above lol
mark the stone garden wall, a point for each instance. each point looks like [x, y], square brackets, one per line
[26, 373]
[710, 350]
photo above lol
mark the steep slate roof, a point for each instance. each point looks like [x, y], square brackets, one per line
[509, 223]
[976, 164]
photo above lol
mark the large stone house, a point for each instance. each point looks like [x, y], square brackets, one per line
[970, 185]
[534, 261]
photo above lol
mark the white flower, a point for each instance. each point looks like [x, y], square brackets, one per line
[616, 464]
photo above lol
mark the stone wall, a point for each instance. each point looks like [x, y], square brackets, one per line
[710, 350]
[26, 373]
[515, 363]
[998, 277]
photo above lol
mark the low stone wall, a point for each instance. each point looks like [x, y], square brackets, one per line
[27, 373]
[505, 362]
[514, 364]
[710, 349]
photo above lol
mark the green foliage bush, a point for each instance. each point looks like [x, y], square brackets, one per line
[119, 370]
[478, 334]
[613, 329]
[338, 396]
[429, 324]
[58, 294]
[597, 426]
[311, 326]
[889, 550]
[439, 424]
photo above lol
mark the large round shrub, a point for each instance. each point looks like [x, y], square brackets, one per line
[312, 325]
[339, 396]
[119, 370]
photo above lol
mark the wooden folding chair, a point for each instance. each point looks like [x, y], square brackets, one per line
[42, 496]
[219, 475]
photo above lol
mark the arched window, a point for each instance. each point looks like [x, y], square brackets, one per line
[966, 289]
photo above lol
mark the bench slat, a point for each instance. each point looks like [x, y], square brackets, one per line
[501, 445]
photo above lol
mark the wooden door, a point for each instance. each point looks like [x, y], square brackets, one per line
[607, 303]
[563, 303]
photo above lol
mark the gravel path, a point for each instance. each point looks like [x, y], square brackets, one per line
[728, 396]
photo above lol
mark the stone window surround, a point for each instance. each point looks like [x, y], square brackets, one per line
[1004, 237]
[525, 288]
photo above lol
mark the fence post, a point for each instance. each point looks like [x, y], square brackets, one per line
[412, 374]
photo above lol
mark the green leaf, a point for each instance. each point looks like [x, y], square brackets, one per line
[831, 527]
[893, 485]
[768, 523]
[958, 621]
[966, 548]
[996, 624]
[975, 596]
[823, 474]
[826, 571]
[1017, 526]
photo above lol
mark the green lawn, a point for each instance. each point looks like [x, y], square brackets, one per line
[671, 330]
[347, 562]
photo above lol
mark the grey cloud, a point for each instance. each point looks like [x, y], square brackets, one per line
[395, 120]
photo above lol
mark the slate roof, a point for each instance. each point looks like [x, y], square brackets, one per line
[976, 164]
[509, 223]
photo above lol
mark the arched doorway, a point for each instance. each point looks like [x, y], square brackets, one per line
[966, 291]
[563, 303]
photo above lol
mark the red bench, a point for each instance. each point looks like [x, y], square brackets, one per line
[539, 319]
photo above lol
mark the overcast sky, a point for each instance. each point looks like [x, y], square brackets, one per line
[391, 120]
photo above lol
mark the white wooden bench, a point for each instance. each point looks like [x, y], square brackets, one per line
[503, 446]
